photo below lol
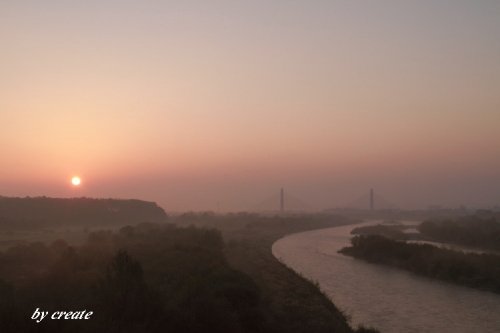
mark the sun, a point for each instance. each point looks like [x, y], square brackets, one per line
[76, 181]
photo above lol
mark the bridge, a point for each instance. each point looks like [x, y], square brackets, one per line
[282, 202]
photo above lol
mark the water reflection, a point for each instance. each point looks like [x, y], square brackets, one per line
[389, 299]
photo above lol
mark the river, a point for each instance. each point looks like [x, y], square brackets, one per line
[382, 297]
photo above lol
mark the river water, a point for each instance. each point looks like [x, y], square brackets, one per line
[386, 298]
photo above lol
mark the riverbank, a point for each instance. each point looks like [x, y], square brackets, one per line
[295, 303]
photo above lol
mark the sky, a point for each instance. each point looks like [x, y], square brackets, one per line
[205, 105]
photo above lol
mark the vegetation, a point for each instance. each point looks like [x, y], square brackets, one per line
[475, 231]
[41, 212]
[295, 304]
[480, 271]
[148, 278]
[162, 277]
[259, 228]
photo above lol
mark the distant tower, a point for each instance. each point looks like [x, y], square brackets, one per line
[282, 200]
[372, 200]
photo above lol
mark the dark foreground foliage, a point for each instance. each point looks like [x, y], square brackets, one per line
[160, 278]
[142, 279]
[480, 271]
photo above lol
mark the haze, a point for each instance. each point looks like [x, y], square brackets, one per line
[206, 104]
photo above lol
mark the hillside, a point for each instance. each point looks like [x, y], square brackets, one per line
[40, 212]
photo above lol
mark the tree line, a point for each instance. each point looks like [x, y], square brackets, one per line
[474, 230]
[480, 271]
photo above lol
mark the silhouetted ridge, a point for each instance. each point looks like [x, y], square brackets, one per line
[43, 212]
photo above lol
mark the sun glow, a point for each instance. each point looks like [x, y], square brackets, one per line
[76, 181]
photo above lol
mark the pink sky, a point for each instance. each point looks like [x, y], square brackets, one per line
[191, 104]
